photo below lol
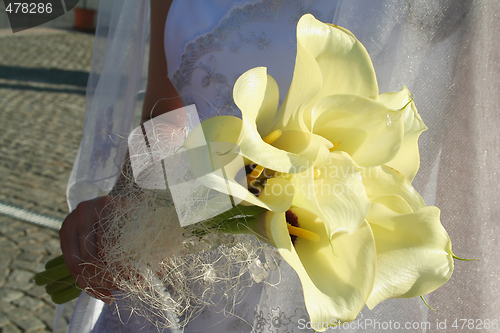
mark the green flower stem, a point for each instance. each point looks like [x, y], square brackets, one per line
[237, 214]
[52, 274]
[463, 259]
[244, 220]
[66, 295]
[238, 220]
[59, 283]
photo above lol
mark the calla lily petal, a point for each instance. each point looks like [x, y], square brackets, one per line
[217, 129]
[256, 93]
[306, 83]
[384, 180]
[367, 130]
[337, 48]
[396, 101]
[321, 48]
[407, 161]
[337, 274]
[277, 195]
[413, 253]
[336, 195]
[396, 202]
[301, 150]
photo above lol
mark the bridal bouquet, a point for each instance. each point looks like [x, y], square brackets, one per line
[325, 179]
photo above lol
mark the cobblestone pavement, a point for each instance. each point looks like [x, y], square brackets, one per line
[42, 92]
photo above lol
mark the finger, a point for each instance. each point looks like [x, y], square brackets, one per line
[99, 241]
[99, 284]
[80, 241]
[75, 229]
[69, 238]
[88, 245]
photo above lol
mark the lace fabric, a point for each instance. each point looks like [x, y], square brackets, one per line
[233, 37]
[444, 51]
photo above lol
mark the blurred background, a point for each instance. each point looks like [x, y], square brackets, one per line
[43, 78]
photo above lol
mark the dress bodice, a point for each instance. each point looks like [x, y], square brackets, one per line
[209, 44]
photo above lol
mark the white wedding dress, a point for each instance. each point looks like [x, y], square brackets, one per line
[445, 51]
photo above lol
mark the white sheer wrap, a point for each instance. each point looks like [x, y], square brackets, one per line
[448, 55]
[114, 84]
[116, 79]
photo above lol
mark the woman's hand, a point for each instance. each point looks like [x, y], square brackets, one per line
[80, 237]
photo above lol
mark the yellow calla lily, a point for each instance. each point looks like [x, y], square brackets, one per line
[330, 60]
[373, 132]
[334, 93]
[337, 273]
[333, 98]
[414, 254]
[256, 94]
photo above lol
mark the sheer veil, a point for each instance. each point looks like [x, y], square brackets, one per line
[448, 55]
[115, 84]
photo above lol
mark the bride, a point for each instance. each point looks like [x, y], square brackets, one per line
[442, 51]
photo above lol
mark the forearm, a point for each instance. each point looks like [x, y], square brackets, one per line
[161, 95]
